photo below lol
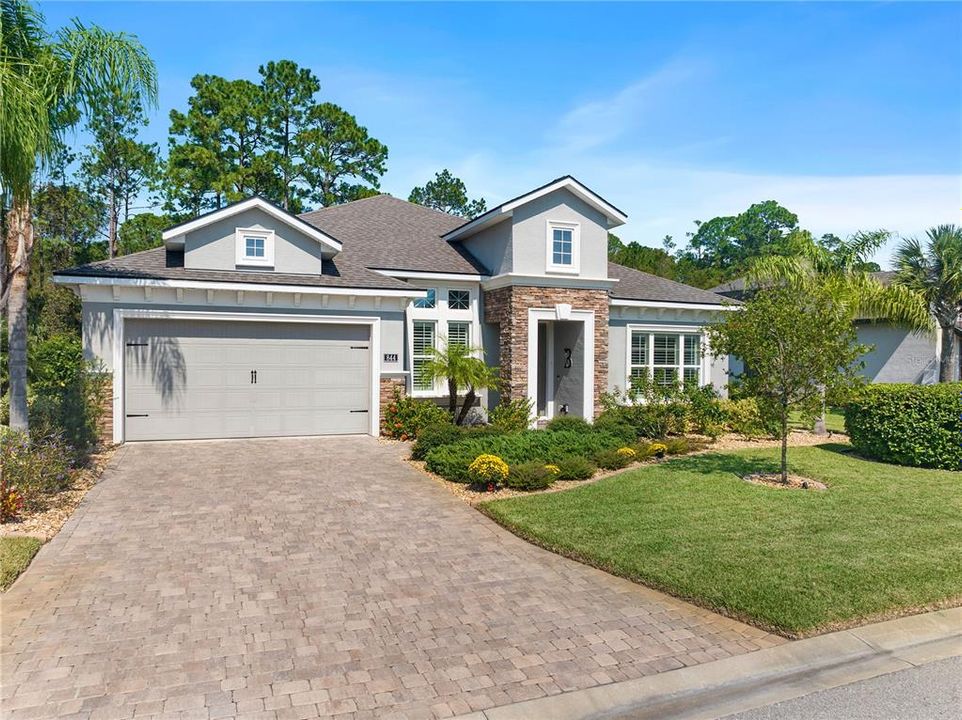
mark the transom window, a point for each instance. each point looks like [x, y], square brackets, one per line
[459, 300]
[666, 358]
[423, 344]
[562, 246]
[428, 302]
[459, 333]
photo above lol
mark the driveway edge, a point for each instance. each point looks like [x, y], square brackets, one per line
[760, 678]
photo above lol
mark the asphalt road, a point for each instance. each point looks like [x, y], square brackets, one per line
[929, 692]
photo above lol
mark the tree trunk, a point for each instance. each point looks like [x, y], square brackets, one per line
[947, 355]
[466, 407]
[820, 420]
[20, 247]
[784, 422]
[112, 227]
[452, 398]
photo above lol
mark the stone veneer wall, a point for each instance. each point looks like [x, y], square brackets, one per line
[105, 423]
[388, 384]
[508, 308]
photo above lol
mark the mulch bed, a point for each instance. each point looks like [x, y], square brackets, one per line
[46, 523]
[774, 480]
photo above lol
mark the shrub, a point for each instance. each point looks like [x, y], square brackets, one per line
[531, 476]
[628, 453]
[432, 436]
[405, 417]
[652, 421]
[488, 470]
[918, 425]
[575, 467]
[511, 416]
[744, 418]
[33, 467]
[612, 459]
[658, 450]
[677, 446]
[705, 414]
[617, 423]
[568, 422]
[452, 461]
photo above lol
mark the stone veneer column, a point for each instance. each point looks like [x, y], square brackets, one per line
[508, 307]
[386, 391]
[105, 423]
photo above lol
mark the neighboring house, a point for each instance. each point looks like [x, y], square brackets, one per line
[254, 322]
[897, 355]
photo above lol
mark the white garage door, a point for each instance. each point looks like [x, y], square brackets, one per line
[208, 379]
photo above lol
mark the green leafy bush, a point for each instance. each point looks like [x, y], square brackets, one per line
[617, 423]
[34, 466]
[568, 422]
[656, 420]
[613, 460]
[531, 475]
[405, 417]
[705, 415]
[433, 436]
[575, 468]
[917, 425]
[452, 461]
[744, 418]
[677, 446]
[511, 416]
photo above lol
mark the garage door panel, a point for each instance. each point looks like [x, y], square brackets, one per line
[192, 379]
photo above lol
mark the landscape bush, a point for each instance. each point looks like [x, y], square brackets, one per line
[487, 470]
[705, 415]
[531, 475]
[916, 425]
[613, 459]
[568, 422]
[452, 461]
[616, 423]
[405, 417]
[511, 415]
[744, 418]
[575, 468]
[432, 436]
[33, 468]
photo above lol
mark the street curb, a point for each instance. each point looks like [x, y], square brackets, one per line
[763, 677]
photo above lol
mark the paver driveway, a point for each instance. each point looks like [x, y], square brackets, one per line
[301, 578]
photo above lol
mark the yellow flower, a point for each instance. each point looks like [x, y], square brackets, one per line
[627, 452]
[553, 469]
[488, 469]
[657, 449]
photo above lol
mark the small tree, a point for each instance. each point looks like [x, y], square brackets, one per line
[796, 345]
[462, 368]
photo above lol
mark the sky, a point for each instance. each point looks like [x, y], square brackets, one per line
[850, 115]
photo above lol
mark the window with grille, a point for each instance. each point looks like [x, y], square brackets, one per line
[459, 333]
[666, 358]
[427, 302]
[423, 343]
[459, 300]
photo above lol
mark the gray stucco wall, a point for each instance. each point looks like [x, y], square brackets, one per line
[213, 247]
[492, 247]
[898, 355]
[530, 228]
[98, 326]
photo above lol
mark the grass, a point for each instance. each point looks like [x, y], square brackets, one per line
[883, 540]
[834, 421]
[15, 554]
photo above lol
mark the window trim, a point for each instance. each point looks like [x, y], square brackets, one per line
[241, 258]
[575, 267]
[680, 331]
[415, 390]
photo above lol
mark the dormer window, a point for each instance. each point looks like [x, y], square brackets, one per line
[564, 241]
[254, 247]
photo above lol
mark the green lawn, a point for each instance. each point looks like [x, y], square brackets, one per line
[881, 539]
[834, 421]
[15, 554]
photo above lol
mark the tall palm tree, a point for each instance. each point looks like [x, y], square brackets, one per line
[935, 272]
[46, 85]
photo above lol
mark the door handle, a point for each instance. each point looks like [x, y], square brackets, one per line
[255, 376]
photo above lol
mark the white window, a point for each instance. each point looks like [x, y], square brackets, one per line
[459, 300]
[423, 343]
[254, 246]
[459, 333]
[665, 357]
[564, 240]
[428, 302]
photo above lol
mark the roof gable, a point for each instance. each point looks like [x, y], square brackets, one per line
[174, 237]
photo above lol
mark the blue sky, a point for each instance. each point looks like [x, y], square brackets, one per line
[848, 114]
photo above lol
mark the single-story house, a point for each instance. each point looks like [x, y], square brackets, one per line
[898, 355]
[251, 321]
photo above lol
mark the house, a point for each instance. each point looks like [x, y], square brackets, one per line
[898, 355]
[251, 321]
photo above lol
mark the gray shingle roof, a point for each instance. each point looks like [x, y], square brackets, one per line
[637, 285]
[162, 264]
[386, 233]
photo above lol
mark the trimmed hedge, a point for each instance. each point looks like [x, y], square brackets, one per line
[451, 461]
[447, 433]
[917, 425]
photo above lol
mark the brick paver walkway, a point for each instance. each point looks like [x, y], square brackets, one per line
[299, 578]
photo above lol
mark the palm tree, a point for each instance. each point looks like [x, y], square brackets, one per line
[935, 272]
[844, 270]
[462, 368]
[46, 85]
